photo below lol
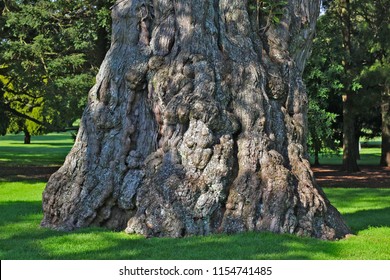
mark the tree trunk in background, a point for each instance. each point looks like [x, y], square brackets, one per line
[103, 42]
[385, 107]
[358, 133]
[357, 142]
[196, 125]
[27, 136]
[349, 139]
[317, 149]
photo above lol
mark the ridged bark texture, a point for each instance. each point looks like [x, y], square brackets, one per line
[196, 125]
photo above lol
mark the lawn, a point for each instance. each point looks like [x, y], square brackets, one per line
[367, 212]
[45, 150]
[368, 156]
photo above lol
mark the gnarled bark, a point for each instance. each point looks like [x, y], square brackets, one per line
[196, 125]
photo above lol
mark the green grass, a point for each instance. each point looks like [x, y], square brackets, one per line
[45, 150]
[367, 211]
[368, 156]
[51, 149]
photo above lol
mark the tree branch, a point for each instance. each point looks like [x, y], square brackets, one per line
[19, 114]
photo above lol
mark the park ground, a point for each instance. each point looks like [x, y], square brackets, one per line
[363, 198]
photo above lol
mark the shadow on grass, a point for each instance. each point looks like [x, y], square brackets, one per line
[23, 238]
[34, 156]
[365, 219]
[26, 174]
[15, 211]
[26, 179]
[19, 138]
[52, 145]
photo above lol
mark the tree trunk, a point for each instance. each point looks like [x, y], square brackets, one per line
[385, 108]
[357, 143]
[317, 149]
[196, 125]
[27, 136]
[102, 43]
[349, 139]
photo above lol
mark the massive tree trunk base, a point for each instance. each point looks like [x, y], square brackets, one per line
[196, 125]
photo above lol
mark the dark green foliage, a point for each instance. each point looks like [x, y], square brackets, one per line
[324, 86]
[4, 118]
[350, 58]
[269, 12]
[50, 53]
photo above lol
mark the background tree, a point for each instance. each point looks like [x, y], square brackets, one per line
[345, 49]
[373, 26]
[50, 51]
[4, 118]
[322, 79]
[376, 32]
[197, 125]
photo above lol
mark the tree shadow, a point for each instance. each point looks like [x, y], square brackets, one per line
[16, 211]
[365, 219]
[53, 145]
[23, 238]
[17, 139]
[26, 174]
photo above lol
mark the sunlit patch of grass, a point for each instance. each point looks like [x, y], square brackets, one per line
[45, 150]
[26, 190]
[368, 156]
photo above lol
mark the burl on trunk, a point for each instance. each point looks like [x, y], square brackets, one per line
[197, 125]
